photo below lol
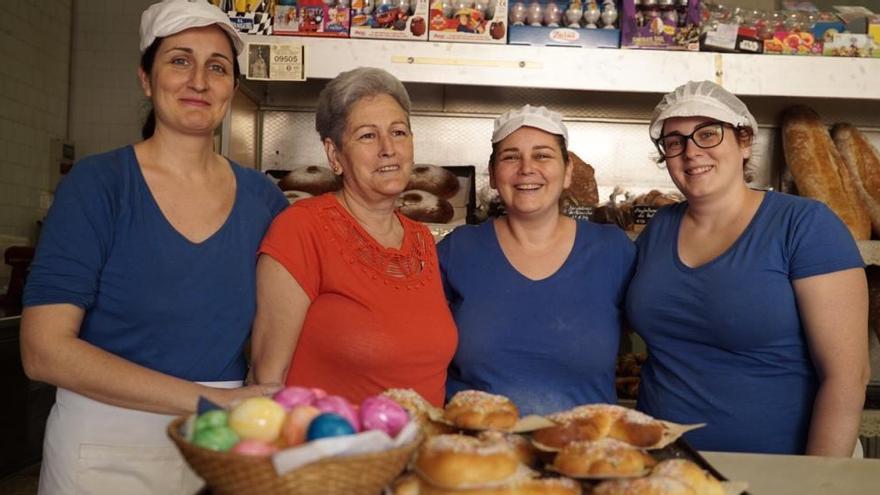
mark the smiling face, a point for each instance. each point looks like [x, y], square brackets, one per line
[191, 82]
[711, 172]
[530, 172]
[376, 153]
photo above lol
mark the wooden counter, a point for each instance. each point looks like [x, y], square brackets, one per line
[798, 475]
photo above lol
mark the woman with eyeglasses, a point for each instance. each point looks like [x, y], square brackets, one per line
[753, 304]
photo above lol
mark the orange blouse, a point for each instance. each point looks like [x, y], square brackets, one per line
[378, 317]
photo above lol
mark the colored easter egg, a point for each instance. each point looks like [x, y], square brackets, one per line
[293, 431]
[294, 396]
[254, 448]
[211, 419]
[219, 438]
[381, 413]
[338, 405]
[257, 418]
[328, 425]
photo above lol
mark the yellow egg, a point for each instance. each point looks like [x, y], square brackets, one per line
[257, 418]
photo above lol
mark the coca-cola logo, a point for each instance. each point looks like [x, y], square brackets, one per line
[564, 34]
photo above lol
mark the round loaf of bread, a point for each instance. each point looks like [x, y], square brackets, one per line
[294, 196]
[652, 485]
[413, 485]
[606, 457]
[312, 179]
[596, 421]
[477, 410]
[459, 461]
[423, 206]
[690, 474]
[523, 448]
[436, 180]
[420, 410]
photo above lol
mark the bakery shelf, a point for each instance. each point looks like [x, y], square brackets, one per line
[589, 69]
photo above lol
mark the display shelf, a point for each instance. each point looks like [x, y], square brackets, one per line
[590, 69]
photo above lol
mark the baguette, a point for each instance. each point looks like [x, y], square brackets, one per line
[863, 162]
[819, 171]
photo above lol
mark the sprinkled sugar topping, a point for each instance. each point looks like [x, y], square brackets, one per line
[467, 445]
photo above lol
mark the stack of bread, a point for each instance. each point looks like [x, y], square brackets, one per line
[598, 447]
[427, 195]
[308, 180]
[843, 172]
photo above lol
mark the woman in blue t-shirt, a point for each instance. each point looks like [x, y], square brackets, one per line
[142, 293]
[753, 304]
[537, 296]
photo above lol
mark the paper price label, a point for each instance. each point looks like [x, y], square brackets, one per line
[643, 214]
[276, 62]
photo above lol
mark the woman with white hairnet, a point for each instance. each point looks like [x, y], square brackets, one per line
[536, 295]
[753, 304]
[142, 293]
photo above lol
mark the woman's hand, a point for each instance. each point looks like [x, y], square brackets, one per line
[834, 311]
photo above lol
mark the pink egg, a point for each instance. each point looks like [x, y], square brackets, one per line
[294, 396]
[381, 413]
[255, 448]
[338, 405]
[293, 431]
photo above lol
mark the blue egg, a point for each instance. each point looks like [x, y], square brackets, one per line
[328, 425]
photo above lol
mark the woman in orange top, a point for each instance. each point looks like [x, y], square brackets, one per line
[349, 297]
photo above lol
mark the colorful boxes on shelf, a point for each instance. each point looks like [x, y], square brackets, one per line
[548, 23]
[660, 24]
[390, 19]
[474, 21]
[328, 18]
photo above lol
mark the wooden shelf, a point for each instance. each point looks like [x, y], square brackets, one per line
[649, 71]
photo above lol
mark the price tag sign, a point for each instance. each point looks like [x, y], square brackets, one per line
[643, 214]
[578, 212]
[276, 62]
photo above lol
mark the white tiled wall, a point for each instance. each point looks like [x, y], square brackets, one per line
[106, 104]
[35, 54]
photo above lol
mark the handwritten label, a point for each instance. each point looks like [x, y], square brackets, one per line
[578, 212]
[643, 214]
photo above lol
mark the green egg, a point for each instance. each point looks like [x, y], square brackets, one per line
[211, 419]
[219, 438]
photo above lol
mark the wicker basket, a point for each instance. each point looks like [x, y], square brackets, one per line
[225, 472]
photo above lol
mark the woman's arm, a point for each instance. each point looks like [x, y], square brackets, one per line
[281, 309]
[834, 311]
[52, 352]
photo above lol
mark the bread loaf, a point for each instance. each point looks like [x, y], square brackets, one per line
[819, 171]
[583, 190]
[863, 162]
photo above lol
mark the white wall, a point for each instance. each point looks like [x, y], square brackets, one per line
[35, 52]
[106, 102]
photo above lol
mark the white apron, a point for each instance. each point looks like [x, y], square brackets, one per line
[95, 448]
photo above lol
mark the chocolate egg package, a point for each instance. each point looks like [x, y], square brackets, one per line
[584, 23]
[390, 19]
[479, 21]
[329, 18]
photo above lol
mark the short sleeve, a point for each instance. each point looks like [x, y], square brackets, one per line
[75, 240]
[819, 243]
[292, 240]
[444, 257]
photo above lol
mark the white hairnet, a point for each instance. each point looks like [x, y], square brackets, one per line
[529, 116]
[702, 99]
[173, 16]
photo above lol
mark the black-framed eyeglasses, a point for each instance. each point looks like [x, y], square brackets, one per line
[708, 135]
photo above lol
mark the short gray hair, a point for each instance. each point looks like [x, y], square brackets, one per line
[340, 94]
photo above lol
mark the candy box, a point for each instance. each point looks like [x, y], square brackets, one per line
[390, 19]
[851, 45]
[473, 21]
[660, 24]
[793, 43]
[549, 23]
[331, 18]
[249, 17]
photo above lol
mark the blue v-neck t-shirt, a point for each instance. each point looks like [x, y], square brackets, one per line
[547, 344]
[726, 345]
[150, 295]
